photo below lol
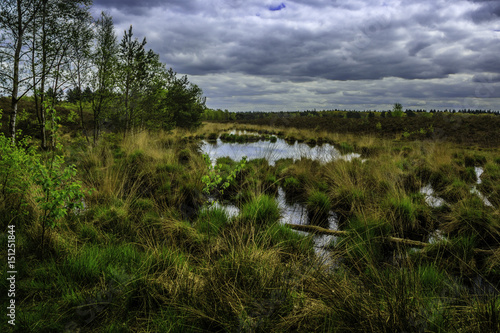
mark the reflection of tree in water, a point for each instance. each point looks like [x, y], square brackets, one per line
[273, 151]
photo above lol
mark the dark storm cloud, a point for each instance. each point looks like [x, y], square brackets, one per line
[488, 11]
[312, 51]
[415, 46]
[142, 8]
[484, 78]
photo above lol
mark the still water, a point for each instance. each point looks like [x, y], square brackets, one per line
[291, 212]
[273, 151]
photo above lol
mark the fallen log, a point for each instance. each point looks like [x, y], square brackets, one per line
[404, 241]
[320, 230]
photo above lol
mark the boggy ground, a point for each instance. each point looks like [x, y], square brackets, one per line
[146, 256]
[465, 129]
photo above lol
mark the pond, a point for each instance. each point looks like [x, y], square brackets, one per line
[479, 171]
[272, 151]
[291, 212]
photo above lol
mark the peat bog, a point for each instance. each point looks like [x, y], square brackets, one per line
[152, 252]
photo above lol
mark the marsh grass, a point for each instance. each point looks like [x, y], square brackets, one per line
[261, 211]
[212, 221]
[471, 218]
[318, 205]
[147, 255]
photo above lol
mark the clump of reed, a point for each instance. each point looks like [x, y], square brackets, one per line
[211, 221]
[471, 218]
[261, 211]
[409, 216]
[318, 206]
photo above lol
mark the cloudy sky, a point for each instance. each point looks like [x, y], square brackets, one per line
[325, 54]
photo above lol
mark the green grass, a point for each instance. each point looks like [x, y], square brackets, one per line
[145, 256]
[262, 210]
[318, 205]
[289, 241]
[291, 185]
[212, 220]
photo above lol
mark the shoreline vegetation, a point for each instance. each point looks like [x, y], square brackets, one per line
[146, 252]
[465, 128]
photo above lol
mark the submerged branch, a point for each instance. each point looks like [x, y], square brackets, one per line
[411, 242]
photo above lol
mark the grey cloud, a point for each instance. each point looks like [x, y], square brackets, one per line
[143, 7]
[488, 11]
[486, 78]
[323, 91]
[314, 51]
[415, 47]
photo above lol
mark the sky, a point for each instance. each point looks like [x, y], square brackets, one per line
[260, 55]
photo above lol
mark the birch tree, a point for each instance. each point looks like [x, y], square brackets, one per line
[16, 17]
[105, 63]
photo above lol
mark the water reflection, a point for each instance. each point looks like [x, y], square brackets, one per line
[272, 151]
[296, 213]
[430, 199]
[436, 202]
[479, 171]
[291, 212]
[230, 210]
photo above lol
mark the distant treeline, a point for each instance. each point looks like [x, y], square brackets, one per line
[221, 115]
[469, 127]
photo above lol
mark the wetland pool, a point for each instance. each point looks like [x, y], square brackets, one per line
[272, 151]
[291, 212]
[296, 212]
